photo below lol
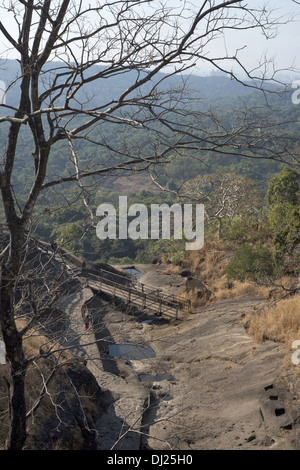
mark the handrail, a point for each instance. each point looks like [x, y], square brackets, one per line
[152, 297]
[145, 287]
[152, 300]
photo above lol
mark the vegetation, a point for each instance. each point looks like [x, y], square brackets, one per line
[280, 322]
[63, 134]
[251, 262]
[268, 231]
[258, 251]
[283, 202]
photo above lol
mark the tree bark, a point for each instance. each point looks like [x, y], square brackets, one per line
[17, 433]
[13, 343]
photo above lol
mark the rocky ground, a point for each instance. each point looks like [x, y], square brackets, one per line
[198, 383]
[205, 384]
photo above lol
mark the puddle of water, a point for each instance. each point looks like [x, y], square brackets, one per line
[131, 351]
[155, 378]
[133, 271]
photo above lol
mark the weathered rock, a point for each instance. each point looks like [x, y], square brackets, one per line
[227, 285]
[66, 419]
[221, 395]
[193, 284]
[184, 272]
[66, 416]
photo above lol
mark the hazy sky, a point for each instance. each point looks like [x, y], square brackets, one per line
[285, 48]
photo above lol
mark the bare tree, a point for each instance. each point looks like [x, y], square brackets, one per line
[224, 195]
[63, 48]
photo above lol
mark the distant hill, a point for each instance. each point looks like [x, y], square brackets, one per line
[110, 87]
[217, 91]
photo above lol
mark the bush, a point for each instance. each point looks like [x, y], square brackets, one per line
[177, 258]
[251, 263]
[241, 229]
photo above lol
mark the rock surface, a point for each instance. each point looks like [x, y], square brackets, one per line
[228, 392]
[209, 386]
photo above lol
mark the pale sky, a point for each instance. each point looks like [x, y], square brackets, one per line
[285, 48]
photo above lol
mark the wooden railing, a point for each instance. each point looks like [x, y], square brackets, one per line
[137, 293]
[125, 287]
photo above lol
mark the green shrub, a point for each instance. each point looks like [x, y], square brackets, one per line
[178, 257]
[250, 263]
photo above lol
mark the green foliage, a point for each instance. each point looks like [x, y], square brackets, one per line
[177, 257]
[247, 229]
[287, 239]
[284, 188]
[241, 229]
[71, 221]
[283, 199]
[67, 234]
[250, 263]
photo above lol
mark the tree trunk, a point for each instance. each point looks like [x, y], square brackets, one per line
[17, 433]
[17, 361]
[14, 349]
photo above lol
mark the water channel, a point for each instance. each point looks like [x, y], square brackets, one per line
[132, 352]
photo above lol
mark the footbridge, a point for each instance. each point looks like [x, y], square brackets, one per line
[118, 284]
[133, 292]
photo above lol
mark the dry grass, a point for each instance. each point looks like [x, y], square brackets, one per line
[173, 269]
[193, 296]
[208, 265]
[236, 289]
[34, 342]
[280, 323]
[211, 260]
